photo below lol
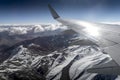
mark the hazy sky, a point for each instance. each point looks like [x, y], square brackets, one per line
[36, 11]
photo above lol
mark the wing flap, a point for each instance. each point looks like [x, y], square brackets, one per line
[114, 52]
[108, 68]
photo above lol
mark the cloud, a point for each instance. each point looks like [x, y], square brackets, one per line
[50, 29]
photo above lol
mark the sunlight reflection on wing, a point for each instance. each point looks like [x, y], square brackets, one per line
[90, 29]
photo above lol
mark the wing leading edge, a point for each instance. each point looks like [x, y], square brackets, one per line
[108, 40]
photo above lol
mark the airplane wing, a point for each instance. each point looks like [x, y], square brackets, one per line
[105, 35]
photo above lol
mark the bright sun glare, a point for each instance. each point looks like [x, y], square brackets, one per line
[90, 29]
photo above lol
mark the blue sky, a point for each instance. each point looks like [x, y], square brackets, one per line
[36, 11]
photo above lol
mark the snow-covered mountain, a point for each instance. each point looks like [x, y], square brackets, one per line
[12, 34]
[55, 54]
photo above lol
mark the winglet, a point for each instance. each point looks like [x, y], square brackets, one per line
[53, 12]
